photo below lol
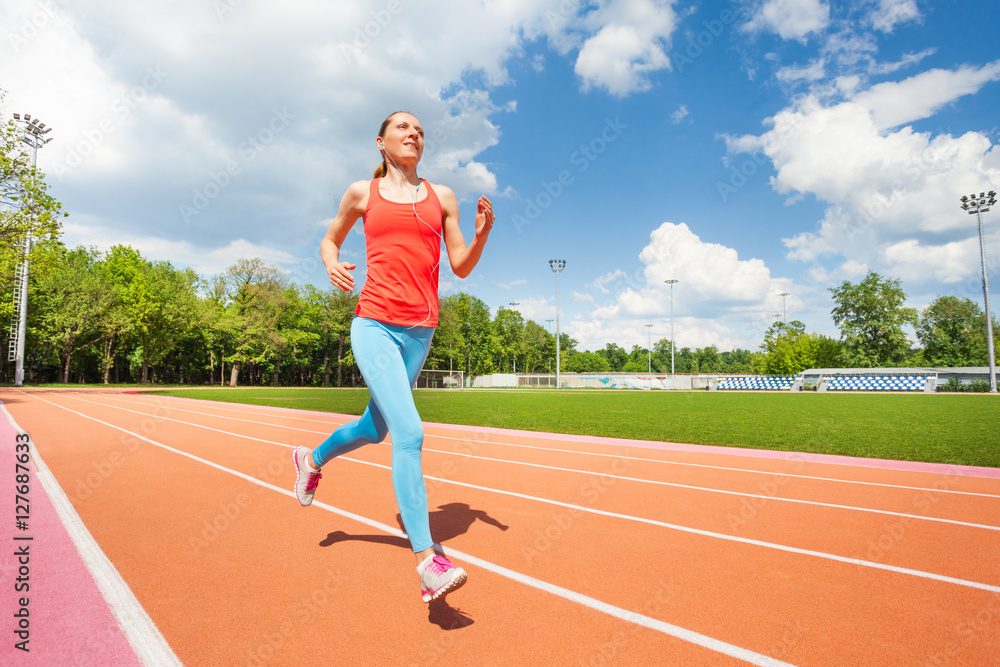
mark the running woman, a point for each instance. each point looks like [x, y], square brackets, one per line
[405, 219]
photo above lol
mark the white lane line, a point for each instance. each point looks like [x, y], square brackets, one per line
[770, 473]
[579, 598]
[814, 503]
[653, 522]
[708, 533]
[149, 645]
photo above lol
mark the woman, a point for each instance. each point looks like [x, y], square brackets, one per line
[405, 220]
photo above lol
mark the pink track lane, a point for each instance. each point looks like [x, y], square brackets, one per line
[70, 622]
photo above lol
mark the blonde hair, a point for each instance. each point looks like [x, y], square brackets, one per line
[383, 168]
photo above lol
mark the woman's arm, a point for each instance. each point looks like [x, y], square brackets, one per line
[352, 207]
[463, 258]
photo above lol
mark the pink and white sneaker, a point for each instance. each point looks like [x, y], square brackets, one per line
[439, 576]
[306, 479]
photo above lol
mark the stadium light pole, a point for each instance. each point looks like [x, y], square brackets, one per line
[784, 310]
[557, 266]
[980, 205]
[671, 283]
[649, 349]
[515, 303]
[32, 130]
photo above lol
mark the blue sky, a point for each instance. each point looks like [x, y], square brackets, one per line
[745, 149]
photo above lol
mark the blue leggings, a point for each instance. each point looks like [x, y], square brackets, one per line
[390, 357]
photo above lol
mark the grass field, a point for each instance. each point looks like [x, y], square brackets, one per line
[959, 429]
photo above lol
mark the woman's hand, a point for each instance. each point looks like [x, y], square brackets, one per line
[340, 275]
[484, 217]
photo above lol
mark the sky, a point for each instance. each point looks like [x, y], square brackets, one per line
[743, 149]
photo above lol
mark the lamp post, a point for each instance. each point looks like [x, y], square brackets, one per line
[515, 303]
[649, 349]
[784, 310]
[980, 205]
[557, 266]
[32, 130]
[671, 283]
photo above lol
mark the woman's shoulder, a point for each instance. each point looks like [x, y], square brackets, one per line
[443, 192]
[360, 187]
[357, 193]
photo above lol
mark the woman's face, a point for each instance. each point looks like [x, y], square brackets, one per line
[404, 138]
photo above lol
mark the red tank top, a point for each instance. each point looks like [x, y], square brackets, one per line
[403, 257]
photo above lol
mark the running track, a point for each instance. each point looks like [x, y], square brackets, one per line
[165, 532]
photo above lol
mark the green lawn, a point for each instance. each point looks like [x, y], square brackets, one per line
[952, 428]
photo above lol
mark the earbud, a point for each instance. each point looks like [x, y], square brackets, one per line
[381, 145]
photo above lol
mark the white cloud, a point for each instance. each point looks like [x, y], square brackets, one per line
[947, 262]
[205, 261]
[889, 194]
[790, 19]
[679, 115]
[814, 71]
[708, 270]
[897, 102]
[890, 13]
[160, 107]
[630, 43]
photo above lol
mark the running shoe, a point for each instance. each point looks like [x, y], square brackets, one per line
[439, 576]
[306, 479]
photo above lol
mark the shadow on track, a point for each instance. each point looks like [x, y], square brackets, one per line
[447, 522]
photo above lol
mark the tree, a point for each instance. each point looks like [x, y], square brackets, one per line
[255, 295]
[25, 204]
[953, 333]
[482, 345]
[587, 362]
[509, 327]
[871, 316]
[70, 302]
[616, 356]
[539, 348]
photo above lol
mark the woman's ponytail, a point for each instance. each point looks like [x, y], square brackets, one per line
[383, 169]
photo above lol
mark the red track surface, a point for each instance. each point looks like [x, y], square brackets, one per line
[579, 551]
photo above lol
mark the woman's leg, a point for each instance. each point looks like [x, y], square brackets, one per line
[390, 358]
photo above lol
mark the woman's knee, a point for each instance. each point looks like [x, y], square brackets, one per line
[409, 437]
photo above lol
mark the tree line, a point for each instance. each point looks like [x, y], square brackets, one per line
[118, 317]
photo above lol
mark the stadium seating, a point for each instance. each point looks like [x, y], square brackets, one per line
[756, 383]
[876, 383]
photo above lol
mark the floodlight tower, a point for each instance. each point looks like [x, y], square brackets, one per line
[671, 283]
[649, 349]
[512, 304]
[980, 205]
[784, 310]
[32, 134]
[557, 266]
